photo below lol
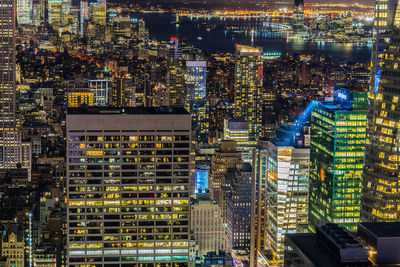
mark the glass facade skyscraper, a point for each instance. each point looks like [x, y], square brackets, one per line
[196, 90]
[381, 184]
[280, 197]
[337, 158]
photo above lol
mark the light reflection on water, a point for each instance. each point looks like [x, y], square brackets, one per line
[220, 35]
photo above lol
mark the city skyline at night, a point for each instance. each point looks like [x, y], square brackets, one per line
[199, 133]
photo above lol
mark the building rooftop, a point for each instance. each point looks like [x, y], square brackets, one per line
[388, 229]
[312, 249]
[85, 110]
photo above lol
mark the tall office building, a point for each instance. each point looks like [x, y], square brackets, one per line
[7, 64]
[337, 158]
[84, 16]
[238, 209]
[99, 12]
[128, 186]
[55, 13]
[258, 202]
[176, 76]
[384, 18]
[24, 12]
[286, 171]
[225, 157]
[39, 12]
[380, 198]
[248, 86]
[196, 92]
[13, 152]
[298, 15]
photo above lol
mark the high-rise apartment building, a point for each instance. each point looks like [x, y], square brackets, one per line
[286, 173]
[337, 158]
[128, 186]
[380, 197]
[24, 12]
[175, 76]
[196, 85]
[248, 86]
[122, 92]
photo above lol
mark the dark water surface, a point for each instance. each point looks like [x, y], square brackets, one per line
[216, 35]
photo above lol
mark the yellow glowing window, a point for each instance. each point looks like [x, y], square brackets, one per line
[110, 203]
[94, 203]
[94, 153]
[77, 203]
[94, 245]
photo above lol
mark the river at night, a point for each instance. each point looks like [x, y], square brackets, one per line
[221, 35]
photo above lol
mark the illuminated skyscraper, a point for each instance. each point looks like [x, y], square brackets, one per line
[7, 64]
[248, 86]
[39, 12]
[99, 12]
[176, 76]
[24, 12]
[381, 180]
[55, 13]
[84, 16]
[258, 202]
[298, 15]
[128, 187]
[12, 151]
[280, 197]
[65, 12]
[337, 158]
[196, 84]
[384, 17]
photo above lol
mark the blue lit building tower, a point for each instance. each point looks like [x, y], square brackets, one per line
[196, 84]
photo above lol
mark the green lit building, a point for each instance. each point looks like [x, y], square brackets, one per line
[338, 130]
